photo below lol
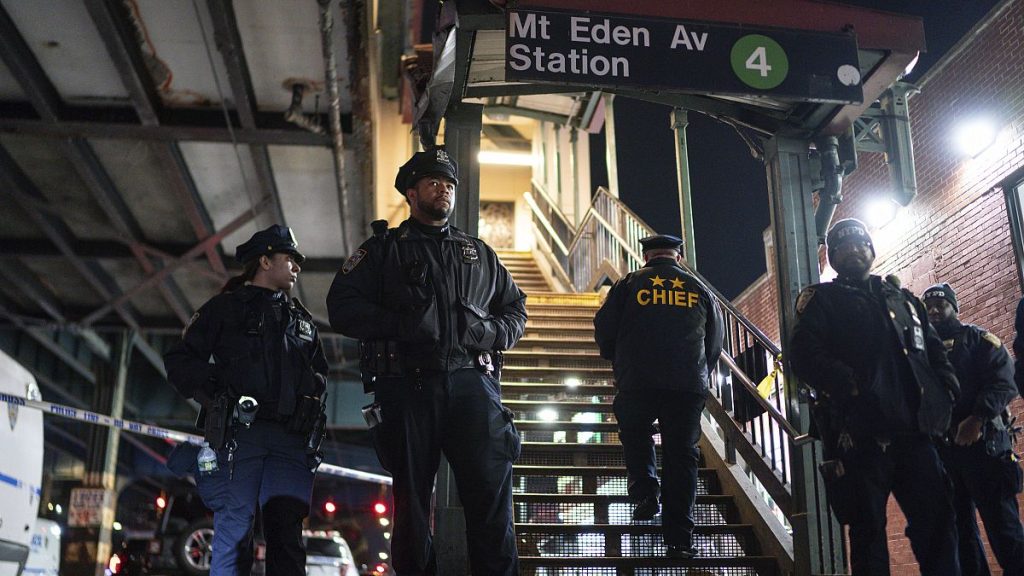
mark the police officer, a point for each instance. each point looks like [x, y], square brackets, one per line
[664, 378]
[980, 459]
[883, 389]
[431, 306]
[253, 348]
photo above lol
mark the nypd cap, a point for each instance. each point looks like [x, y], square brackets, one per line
[847, 230]
[944, 291]
[431, 162]
[662, 242]
[276, 238]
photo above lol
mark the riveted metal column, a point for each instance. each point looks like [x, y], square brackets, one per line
[817, 538]
[611, 157]
[108, 475]
[462, 125]
[679, 122]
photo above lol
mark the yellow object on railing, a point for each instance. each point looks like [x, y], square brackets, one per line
[764, 389]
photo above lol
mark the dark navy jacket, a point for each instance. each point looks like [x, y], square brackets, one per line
[984, 369]
[661, 328]
[442, 294]
[249, 342]
[854, 345]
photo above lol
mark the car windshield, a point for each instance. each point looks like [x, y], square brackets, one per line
[325, 547]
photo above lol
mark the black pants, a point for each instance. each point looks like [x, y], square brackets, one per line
[459, 413]
[678, 413]
[909, 468]
[988, 484]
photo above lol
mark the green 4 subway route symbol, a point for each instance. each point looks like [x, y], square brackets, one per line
[759, 61]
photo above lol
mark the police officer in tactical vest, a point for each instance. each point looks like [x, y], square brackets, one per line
[433, 308]
[883, 391]
[662, 329]
[979, 457]
[251, 356]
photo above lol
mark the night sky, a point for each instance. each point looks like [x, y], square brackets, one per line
[730, 197]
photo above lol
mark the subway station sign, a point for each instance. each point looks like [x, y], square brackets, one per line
[611, 50]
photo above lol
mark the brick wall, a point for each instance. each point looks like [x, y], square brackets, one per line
[956, 230]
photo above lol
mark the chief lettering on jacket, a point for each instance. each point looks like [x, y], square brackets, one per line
[673, 294]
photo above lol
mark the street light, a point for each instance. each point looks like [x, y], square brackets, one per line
[975, 136]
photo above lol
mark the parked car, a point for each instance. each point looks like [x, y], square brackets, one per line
[181, 542]
[328, 554]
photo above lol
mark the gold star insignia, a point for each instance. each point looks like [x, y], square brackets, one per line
[658, 281]
[677, 283]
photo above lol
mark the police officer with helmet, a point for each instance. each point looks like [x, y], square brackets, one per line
[251, 356]
[664, 378]
[979, 457]
[883, 390]
[433, 308]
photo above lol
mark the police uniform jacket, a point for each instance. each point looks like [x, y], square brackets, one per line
[869, 351]
[984, 369]
[442, 294]
[661, 328]
[249, 342]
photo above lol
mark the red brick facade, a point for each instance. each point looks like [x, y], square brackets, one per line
[957, 229]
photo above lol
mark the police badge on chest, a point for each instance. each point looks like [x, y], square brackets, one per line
[470, 255]
[305, 330]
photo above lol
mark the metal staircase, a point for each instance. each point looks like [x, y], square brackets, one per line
[571, 510]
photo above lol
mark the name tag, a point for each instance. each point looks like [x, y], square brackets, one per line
[305, 330]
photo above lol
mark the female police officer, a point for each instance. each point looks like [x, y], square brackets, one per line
[252, 344]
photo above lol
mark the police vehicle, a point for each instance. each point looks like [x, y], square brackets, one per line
[21, 465]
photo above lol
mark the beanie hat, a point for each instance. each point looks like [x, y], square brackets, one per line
[943, 290]
[847, 230]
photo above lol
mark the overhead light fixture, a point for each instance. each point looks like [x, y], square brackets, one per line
[975, 136]
[572, 382]
[547, 415]
[505, 158]
[880, 213]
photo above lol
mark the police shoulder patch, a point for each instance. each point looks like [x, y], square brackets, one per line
[804, 299]
[992, 339]
[353, 261]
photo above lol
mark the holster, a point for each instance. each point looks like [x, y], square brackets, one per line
[498, 359]
[215, 421]
[378, 359]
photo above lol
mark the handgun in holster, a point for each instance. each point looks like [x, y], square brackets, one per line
[215, 421]
[378, 359]
[319, 431]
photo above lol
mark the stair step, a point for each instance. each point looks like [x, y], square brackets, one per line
[631, 529]
[762, 565]
[537, 425]
[631, 540]
[567, 407]
[589, 354]
[533, 498]
[533, 372]
[558, 388]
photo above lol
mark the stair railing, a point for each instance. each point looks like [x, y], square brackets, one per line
[606, 246]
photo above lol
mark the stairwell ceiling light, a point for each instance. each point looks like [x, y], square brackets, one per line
[505, 158]
[548, 415]
[975, 136]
